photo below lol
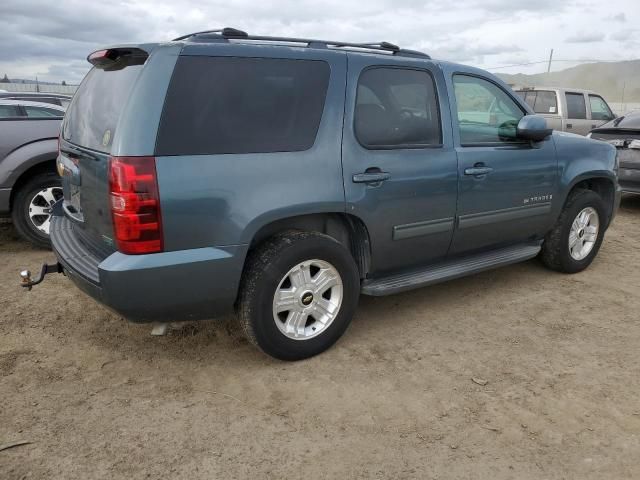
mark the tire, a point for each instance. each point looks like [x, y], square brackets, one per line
[556, 253]
[44, 186]
[277, 268]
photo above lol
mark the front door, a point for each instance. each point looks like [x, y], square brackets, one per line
[506, 185]
[400, 173]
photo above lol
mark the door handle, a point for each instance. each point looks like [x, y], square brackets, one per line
[371, 177]
[478, 170]
[569, 125]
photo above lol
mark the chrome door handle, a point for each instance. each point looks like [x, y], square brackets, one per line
[371, 177]
[478, 170]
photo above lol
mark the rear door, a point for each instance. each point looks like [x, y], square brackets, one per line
[399, 163]
[577, 121]
[505, 184]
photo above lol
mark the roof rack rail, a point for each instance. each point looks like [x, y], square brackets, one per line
[235, 34]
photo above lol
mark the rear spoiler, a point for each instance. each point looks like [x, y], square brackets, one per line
[116, 58]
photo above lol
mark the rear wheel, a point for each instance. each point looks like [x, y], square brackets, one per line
[31, 211]
[299, 293]
[574, 241]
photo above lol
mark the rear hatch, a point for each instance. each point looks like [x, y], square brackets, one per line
[88, 131]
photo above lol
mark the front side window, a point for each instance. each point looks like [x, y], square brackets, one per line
[576, 107]
[599, 108]
[397, 108]
[486, 113]
[218, 105]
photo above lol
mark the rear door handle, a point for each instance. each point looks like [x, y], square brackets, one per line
[478, 170]
[371, 177]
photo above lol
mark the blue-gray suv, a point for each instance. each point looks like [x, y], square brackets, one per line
[283, 177]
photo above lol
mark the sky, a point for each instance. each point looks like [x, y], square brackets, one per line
[51, 39]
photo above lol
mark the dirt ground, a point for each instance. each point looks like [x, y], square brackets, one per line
[395, 398]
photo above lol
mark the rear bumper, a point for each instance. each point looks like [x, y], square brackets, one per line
[170, 286]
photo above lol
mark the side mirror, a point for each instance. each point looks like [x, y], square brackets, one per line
[533, 127]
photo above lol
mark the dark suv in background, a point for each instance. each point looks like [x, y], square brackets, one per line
[283, 177]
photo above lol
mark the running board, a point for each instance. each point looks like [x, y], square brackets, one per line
[449, 270]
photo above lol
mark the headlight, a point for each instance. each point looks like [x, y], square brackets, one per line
[634, 144]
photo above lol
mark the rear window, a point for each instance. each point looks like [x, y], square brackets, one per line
[541, 101]
[219, 105]
[92, 117]
[576, 107]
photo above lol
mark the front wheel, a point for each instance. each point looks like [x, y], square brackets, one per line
[298, 295]
[574, 241]
[31, 210]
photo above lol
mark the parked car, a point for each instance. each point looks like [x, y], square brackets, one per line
[10, 108]
[624, 134]
[29, 185]
[53, 98]
[283, 177]
[568, 109]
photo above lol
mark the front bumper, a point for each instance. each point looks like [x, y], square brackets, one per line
[161, 287]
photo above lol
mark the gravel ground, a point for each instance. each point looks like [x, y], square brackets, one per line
[402, 395]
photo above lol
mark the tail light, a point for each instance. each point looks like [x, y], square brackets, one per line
[135, 204]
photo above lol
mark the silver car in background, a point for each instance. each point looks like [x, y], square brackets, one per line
[29, 184]
[568, 109]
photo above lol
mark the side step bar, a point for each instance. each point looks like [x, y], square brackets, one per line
[449, 270]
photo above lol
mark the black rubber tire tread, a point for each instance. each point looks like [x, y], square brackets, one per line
[555, 249]
[265, 267]
[20, 208]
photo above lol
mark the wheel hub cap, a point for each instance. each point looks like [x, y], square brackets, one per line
[307, 300]
[583, 233]
[40, 207]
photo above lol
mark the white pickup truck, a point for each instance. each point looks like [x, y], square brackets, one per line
[567, 109]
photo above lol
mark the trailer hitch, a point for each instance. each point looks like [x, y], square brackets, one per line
[28, 282]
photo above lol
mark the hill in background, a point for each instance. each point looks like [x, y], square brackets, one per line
[606, 78]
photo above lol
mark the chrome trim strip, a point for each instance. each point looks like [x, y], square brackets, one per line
[503, 215]
[418, 229]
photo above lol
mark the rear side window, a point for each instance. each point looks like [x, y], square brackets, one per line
[219, 105]
[42, 112]
[92, 118]
[576, 107]
[9, 111]
[546, 102]
[397, 108]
